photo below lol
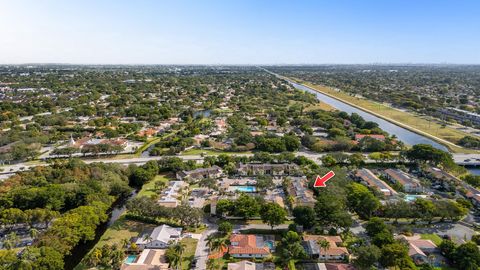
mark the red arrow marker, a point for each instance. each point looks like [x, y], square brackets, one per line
[320, 181]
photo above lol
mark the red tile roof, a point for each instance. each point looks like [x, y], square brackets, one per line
[246, 244]
[380, 137]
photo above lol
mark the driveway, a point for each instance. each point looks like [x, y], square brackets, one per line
[201, 253]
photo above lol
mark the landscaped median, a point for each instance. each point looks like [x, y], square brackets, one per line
[435, 131]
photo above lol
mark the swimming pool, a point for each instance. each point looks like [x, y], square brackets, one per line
[270, 245]
[248, 189]
[131, 259]
[411, 198]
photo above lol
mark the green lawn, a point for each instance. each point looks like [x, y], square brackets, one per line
[189, 254]
[149, 188]
[121, 229]
[437, 240]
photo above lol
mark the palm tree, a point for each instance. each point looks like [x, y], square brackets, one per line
[324, 245]
[219, 244]
[125, 242]
[172, 257]
[95, 257]
[210, 240]
[147, 238]
[213, 264]
[7, 244]
[179, 248]
[33, 233]
[13, 237]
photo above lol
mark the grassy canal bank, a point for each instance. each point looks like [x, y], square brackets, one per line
[444, 135]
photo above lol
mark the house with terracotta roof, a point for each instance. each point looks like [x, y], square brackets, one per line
[359, 137]
[407, 181]
[250, 246]
[419, 249]
[147, 132]
[333, 253]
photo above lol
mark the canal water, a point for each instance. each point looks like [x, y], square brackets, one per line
[82, 249]
[406, 136]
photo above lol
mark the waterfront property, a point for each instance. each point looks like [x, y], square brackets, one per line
[366, 177]
[161, 237]
[407, 181]
[359, 137]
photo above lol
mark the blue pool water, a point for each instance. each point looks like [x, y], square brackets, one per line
[269, 245]
[411, 198]
[244, 188]
[131, 259]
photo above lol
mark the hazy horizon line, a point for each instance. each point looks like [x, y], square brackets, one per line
[243, 64]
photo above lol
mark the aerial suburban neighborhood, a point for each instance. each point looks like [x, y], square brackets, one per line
[239, 135]
[211, 172]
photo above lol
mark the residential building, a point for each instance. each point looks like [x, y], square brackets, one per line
[161, 237]
[250, 246]
[447, 180]
[201, 173]
[170, 197]
[333, 253]
[419, 249]
[408, 182]
[302, 195]
[253, 169]
[366, 177]
[149, 259]
[359, 137]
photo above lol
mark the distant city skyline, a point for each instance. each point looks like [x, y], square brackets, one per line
[239, 32]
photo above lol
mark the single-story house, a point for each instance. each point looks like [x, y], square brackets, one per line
[250, 246]
[161, 237]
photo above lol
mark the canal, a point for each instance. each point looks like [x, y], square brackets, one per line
[82, 249]
[405, 135]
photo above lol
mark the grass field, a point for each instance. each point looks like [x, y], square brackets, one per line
[409, 120]
[149, 143]
[321, 105]
[189, 254]
[437, 240]
[149, 188]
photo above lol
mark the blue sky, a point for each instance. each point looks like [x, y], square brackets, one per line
[239, 32]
